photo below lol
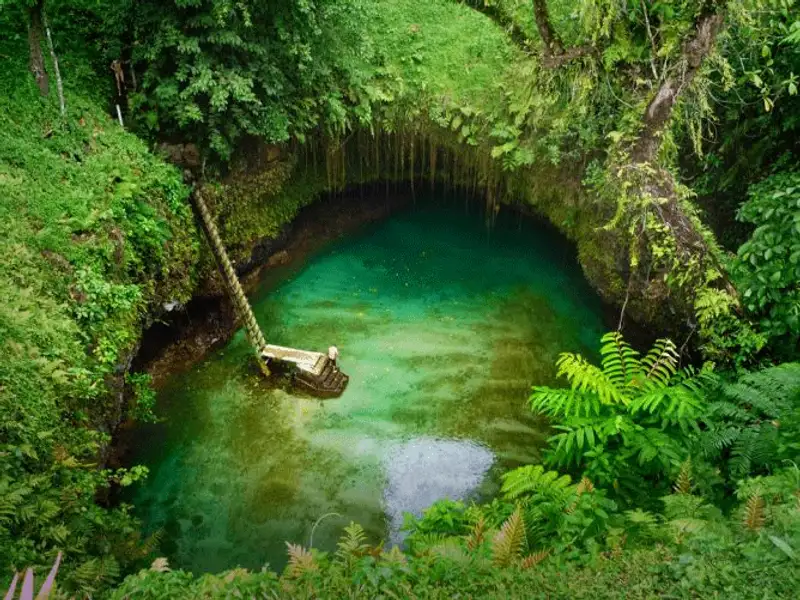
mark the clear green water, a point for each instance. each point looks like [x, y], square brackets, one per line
[442, 327]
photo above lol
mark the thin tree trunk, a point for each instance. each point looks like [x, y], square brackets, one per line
[59, 83]
[659, 110]
[553, 46]
[35, 35]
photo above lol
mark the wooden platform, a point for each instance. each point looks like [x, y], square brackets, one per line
[312, 371]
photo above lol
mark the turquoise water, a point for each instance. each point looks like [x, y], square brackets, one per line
[442, 326]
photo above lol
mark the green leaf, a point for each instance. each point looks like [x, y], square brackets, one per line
[782, 546]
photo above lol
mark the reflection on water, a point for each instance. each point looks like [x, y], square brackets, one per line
[421, 471]
[442, 327]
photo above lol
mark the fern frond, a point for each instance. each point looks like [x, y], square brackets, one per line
[683, 483]
[687, 525]
[724, 409]
[532, 560]
[574, 441]
[394, 556]
[584, 486]
[620, 362]
[643, 522]
[449, 548]
[300, 561]
[234, 574]
[477, 536]
[754, 447]
[770, 391]
[661, 363]
[564, 402]
[684, 401]
[508, 542]
[151, 543]
[160, 565]
[651, 444]
[353, 542]
[532, 480]
[94, 574]
[713, 441]
[422, 543]
[754, 512]
[583, 376]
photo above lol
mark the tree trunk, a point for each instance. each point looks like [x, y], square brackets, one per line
[35, 36]
[54, 57]
[553, 46]
[659, 110]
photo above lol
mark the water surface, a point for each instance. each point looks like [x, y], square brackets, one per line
[442, 326]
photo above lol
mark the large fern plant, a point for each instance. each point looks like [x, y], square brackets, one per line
[626, 420]
[753, 423]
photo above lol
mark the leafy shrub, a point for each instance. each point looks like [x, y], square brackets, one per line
[626, 421]
[767, 266]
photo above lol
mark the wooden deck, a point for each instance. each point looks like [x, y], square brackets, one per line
[314, 371]
[310, 362]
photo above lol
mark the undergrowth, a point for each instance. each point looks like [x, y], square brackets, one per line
[95, 233]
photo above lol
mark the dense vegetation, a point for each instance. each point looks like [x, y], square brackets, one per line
[685, 484]
[645, 131]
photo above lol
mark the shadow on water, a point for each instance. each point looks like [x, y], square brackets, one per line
[443, 327]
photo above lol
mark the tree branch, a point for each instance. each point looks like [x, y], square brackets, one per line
[695, 49]
[553, 46]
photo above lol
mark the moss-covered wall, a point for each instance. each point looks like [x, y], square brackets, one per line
[258, 198]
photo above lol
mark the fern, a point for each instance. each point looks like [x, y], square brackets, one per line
[754, 518]
[586, 377]
[564, 403]
[300, 561]
[95, 574]
[477, 536]
[448, 548]
[683, 483]
[660, 364]
[160, 565]
[508, 543]
[353, 543]
[394, 556]
[641, 522]
[635, 408]
[754, 446]
[746, 418]
[686, 525]
[423, 542]
[534, 480]
[585, 486]
[532, 560]
[620, 362]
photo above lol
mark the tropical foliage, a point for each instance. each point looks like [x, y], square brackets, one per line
[625, 420]
[686, 549]
[767, 266]
[726, 486]
[599, 114]
[218, 70]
